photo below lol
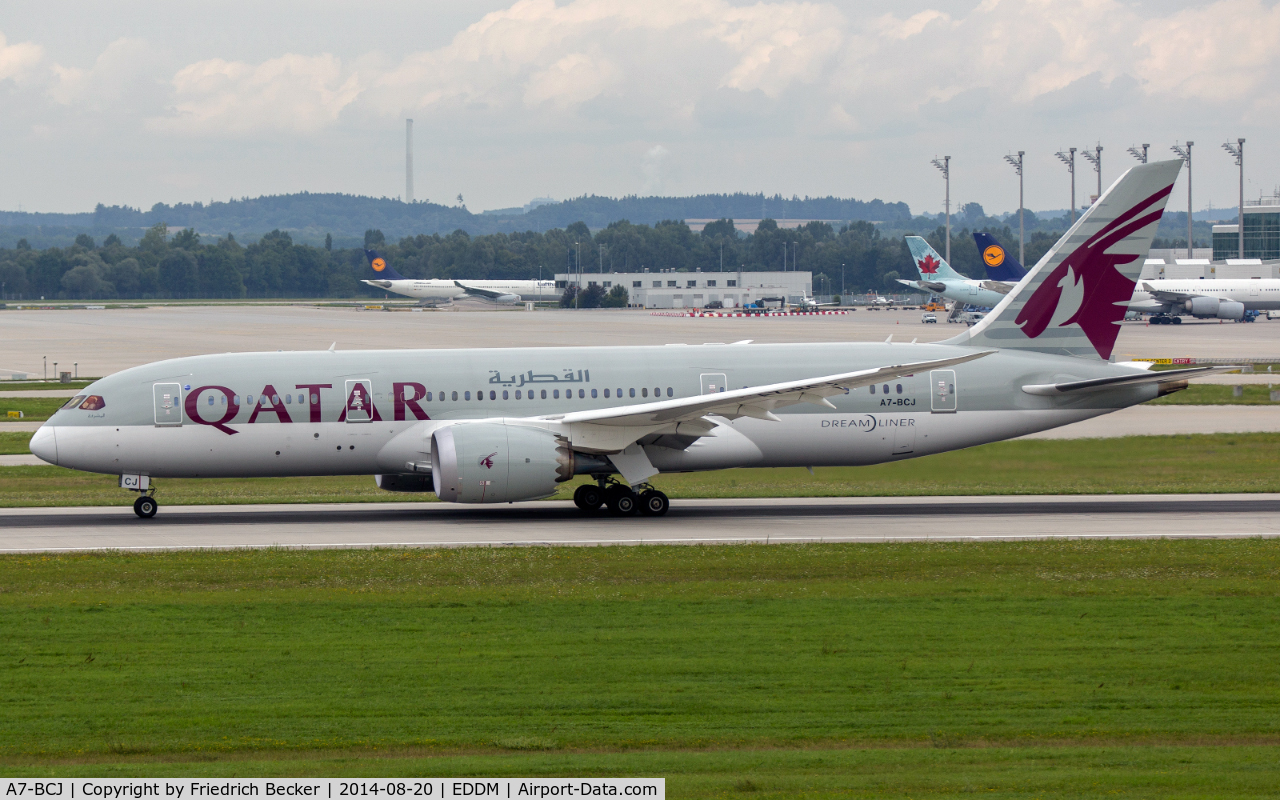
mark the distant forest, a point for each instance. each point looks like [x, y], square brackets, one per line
[181, 265]
[309, 218]
[859, 255]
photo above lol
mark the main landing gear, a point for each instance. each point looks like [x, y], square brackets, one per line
[620, 499]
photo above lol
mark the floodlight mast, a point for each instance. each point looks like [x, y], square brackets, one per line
[1017, 165]
[945, 166]
[1237, 151]
[1069, 158]
[1141, 155]
[1185, 154]
[1095, 158]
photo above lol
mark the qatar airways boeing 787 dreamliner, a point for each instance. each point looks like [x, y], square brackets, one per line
[503, 425]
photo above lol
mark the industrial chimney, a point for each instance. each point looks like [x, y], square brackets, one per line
[408, 161]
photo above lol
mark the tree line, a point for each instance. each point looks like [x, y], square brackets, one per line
[854, 258]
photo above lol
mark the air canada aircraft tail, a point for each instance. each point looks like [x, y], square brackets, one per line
[1072, 302]
[1001, 266]
[929, 264]
[381, 268]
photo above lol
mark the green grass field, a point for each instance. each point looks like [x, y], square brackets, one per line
[32, 408]
[44, 386]
[1080, 669]
[1132, 465]
[1209, 394]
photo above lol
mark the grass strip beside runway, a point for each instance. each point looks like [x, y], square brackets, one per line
[1212, 394]
[14, 442]
[1073, 668]
[1246, 462]
[33, 409]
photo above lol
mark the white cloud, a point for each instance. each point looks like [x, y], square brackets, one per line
[17, 60]
[292, 93]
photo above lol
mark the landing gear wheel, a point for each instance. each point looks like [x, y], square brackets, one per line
[1177, 320]
[654, 503]
[145, 507]
[621, 500]
[588, 497]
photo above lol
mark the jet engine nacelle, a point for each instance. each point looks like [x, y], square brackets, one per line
[507, 298]
[492, 462]
[1229, 309]
[1202, 306]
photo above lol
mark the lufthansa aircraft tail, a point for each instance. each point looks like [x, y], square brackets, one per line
[931, 265]
[1000, 265]
[1072, 302]
[381, 268]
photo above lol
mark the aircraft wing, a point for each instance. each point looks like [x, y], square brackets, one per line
[1102, 384]
[753, 401]
[937, 287]
[488, 294]
[1000, 287]
[1165, 296]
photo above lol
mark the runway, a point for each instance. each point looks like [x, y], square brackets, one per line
[764, 521]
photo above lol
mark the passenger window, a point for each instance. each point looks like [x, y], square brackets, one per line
[557, 394]
[504, 394]
[275, 399]
[873, 388]
[493, 395]
[593, 393]
[235, 399]
[468, 395]
[899, 388]
[315, 398]
[428, 397]
[519, 396]
[544, 394]
[455, 395]
[606, 393]
[224, 400]
[657, 392]
[670, 391]
[644, 392]
[582, 394]
[633, 392]
[886, 388]
[248, 399]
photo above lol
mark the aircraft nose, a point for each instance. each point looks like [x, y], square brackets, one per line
[44, 444]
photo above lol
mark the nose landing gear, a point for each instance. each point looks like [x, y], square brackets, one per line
[145, 506]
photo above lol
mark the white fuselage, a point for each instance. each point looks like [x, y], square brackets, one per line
[1257, 294]
[440, 289]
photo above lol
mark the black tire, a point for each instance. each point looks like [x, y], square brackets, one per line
[654, 503]
[588, 497]
[621, 500]
[1177, 320]
[145, 507]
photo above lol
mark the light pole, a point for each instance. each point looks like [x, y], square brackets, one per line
[1017, 165]
[1095, 158]
[843, 299]
[1237, 151]
[577, 255]
[945, 166]
[1141, 155]
[1069, 158]
[46, 367]
[1185, 155]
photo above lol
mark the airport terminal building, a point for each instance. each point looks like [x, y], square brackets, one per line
[1261, 233]
[697, 289]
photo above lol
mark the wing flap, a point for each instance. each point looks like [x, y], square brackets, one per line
[1102, 384]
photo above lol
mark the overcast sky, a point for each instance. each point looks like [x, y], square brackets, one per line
[139, 102]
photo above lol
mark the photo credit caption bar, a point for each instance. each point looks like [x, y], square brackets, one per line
[326, 788]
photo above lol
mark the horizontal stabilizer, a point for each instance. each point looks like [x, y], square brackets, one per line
[1101, 384]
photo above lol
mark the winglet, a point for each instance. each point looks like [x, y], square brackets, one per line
[333, 348]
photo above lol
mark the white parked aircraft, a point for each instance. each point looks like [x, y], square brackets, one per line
[1211, 298]
[506, 292]
[509, 424]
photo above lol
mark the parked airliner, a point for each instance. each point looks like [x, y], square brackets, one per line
[937, 277]
[438, 289]
[512, 424]
[1210, 298]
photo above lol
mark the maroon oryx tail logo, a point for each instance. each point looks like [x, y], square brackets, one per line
[1087, 289]
[487, 461]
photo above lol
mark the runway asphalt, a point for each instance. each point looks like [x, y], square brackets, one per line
[765, 521]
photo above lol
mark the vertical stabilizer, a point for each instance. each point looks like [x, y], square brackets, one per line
[930, 265]
[1072, 302]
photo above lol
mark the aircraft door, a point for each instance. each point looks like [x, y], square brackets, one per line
[942, 390]
[714, 382]
[359, 401]
[904, 436]
[168, 403]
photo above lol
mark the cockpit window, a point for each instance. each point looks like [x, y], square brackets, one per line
[73, 402]
[93, 403]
